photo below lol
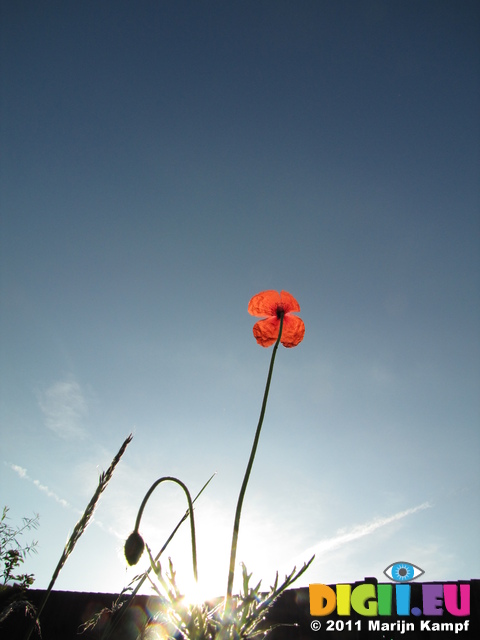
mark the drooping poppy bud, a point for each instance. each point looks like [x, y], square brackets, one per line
[134, 547]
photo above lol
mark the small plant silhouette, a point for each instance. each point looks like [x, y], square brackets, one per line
[13, 553]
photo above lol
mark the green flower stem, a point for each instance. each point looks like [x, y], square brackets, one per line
[190, 513]
[238, 512]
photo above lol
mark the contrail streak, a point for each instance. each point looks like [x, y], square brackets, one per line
[359, 531]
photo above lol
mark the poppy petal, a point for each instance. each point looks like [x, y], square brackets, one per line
[264, 304]
[266, 331]
[288, 302]
[292, 332]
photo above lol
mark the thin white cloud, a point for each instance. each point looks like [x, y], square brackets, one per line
[20, 470]
[50, 494]
[22, 473]
[64, 407]
[360, 531]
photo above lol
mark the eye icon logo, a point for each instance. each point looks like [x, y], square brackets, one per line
[403, 571]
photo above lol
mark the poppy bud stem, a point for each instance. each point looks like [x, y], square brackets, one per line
[238, 512]
[190, 513]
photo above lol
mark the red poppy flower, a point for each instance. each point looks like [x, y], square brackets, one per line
[273, 305]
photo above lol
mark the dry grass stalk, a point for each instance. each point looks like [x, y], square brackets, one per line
[81, 525]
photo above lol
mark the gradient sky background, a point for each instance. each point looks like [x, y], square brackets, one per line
[162, 162]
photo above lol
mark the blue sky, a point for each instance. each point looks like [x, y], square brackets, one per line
[162, 162]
